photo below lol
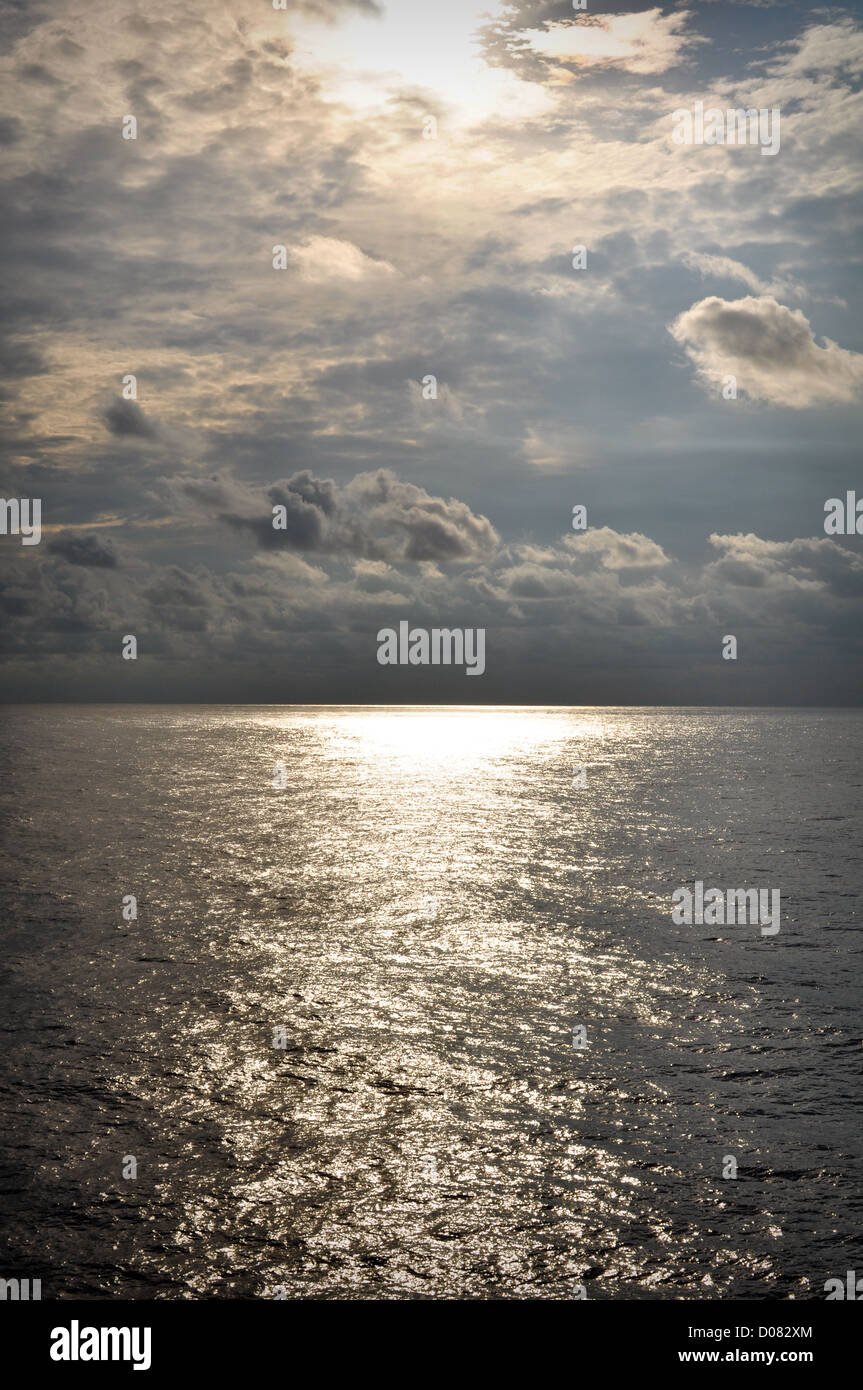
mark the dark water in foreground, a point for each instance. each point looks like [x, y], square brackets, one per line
[428, 908]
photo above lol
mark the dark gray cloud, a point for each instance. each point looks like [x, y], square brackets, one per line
[126, 420]
[11, 130]
[18, 17]
[374, 516]
[567, 622]
[84, 550]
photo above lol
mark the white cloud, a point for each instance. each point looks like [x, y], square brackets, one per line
[649, 42]
[328, 258]
[729, 269]
[770, 349]
[823, 48]
[619, 552]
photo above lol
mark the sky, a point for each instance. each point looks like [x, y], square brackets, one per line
[429, 169]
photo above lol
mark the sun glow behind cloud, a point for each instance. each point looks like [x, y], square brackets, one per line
[433, 50]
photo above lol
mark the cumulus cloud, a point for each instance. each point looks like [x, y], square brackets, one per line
[599, 598]
[374, 516]
[770, 349]
[786, 567]
[620, 552]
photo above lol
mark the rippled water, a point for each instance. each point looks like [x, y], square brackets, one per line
[428, 907]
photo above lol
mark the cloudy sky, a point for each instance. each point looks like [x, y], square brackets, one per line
[408, 257]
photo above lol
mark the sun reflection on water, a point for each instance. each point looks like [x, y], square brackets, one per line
[428, 908]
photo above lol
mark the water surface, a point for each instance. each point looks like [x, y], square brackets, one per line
[428, 907]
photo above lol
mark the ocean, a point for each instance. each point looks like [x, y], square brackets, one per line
[337, 1053]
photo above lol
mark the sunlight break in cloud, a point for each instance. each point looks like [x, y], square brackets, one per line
[434, 50]
[642, 43]
[329, 258]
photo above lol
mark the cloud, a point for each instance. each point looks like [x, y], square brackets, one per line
[620, 552]
[328, 258]
[84, 550]
[433, 528]
[126, 420]
[596, 600]
[725, 267]
[11, 130]
[411, 256]
[787, 567]
[822, 48]
[649, 42]
[331, 10]
[770, 349]
[375, 516]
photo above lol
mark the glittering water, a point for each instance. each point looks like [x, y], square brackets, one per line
[429, 907]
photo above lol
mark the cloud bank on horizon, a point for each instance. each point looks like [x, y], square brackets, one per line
[337, 262]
